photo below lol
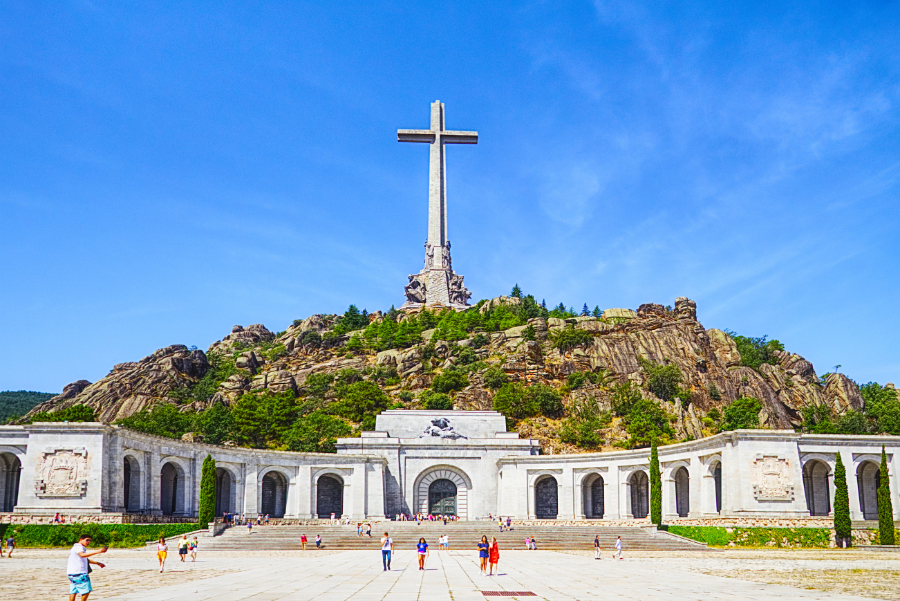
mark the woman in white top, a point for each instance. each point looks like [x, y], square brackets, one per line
[162, 549]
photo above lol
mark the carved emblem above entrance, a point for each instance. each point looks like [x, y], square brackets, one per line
[62, 473]
[771, 477]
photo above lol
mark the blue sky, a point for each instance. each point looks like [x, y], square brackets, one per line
[172, 169]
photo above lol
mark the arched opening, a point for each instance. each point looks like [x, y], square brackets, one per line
[868, 476]
[815, 484]
[640, 495]
[546, 498]
[131, 483]
[274, 495]
[682, 492]
[171, 489]
[329, 497]
[442, 497]
[592, 492]
[10, 472]
[224, 491]
[424, 501]
[717, 480]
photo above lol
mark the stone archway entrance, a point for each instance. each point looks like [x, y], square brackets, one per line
[274, 495]
[224, 484]
[682, 492]
[640, 495]
[815, 485]
[329, 497]
[442, 497]
[546, 498]
[10, 470]
[171, 489]
[422, 499]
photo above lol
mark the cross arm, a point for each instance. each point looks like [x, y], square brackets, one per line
[459, 137]
[415, 135]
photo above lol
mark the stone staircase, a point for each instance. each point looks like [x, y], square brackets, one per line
[463, 535]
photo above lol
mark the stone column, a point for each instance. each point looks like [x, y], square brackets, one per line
[695, 471]
[375, 485]
[251, 501]
[304, 492]
[731, 480]
[579, 494]
[612, 509]
[566, 494]
[153, 481]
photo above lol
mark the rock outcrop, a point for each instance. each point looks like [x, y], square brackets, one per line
[708, 360]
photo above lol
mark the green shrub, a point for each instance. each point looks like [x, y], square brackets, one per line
[449, 381]
[624, 397]
[262, 419]
[479, 341]
[494, 378]
[362, 401]
[842, 524]
[548, 400]
[513, 403]
[75, 413]
[756, 537]
[436, 401]
[885, 507]
[317, 432]
[569, 337]
[756, 351]
[163, 419]
[663, 380]
[111, 535]
[742, 414]
[655, 486]
[647, 422]
[466, 356]
[207, 506]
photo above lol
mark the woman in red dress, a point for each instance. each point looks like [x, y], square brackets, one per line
[494, 556]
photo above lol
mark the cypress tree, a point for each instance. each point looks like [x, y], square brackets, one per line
[885, 507]
[207, 511]
[841, 504]
[655, 486]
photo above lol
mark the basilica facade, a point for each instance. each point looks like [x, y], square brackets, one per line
[463, 463]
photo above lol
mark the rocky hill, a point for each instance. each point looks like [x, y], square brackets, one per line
[621, 346]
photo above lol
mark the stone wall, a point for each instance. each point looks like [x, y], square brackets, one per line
[93, 518]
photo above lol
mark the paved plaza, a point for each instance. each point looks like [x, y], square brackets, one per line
[453, 575]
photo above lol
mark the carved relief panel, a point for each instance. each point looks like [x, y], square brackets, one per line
[62, 473]
[772, 478]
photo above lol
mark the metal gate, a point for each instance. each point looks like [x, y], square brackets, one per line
[442, 497]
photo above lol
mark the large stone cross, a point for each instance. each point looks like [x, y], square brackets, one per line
[437, 136]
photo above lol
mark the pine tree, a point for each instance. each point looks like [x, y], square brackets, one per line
[841, 504]
[885, 507]
[207, 510]
[544, 304]
[597, 312]
[655, 486]
[585, 311]
[516, 291]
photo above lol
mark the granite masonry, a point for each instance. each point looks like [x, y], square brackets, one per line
[445, 462]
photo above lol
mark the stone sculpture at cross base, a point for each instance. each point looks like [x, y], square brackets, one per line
[437, 285]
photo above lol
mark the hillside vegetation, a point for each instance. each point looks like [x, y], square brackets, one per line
[585, 380]
[15, 403]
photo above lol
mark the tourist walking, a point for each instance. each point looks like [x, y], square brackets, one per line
[249, 526]
[183, 545]
[267, 519]
[318, 542]
[494, 556]
[10, 545]
[618, 552]
[78, 568]
[508, 523]
[387, 548]
[303, 541]
[533, 543]
[483, 555]
[447, 542]
[597, 547]
[422, 551]
[332, 519]
[162, 549]
[193, 548]
[369, 530]
[528, 543]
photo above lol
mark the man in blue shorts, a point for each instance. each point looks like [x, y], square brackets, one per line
[78, 567]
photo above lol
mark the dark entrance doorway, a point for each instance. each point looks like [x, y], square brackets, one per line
[223, 491]
[597, 500]
[640, 495]
[442, 497]
[274, 495]
[546, 499]
[10, 470]
[329, 497]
